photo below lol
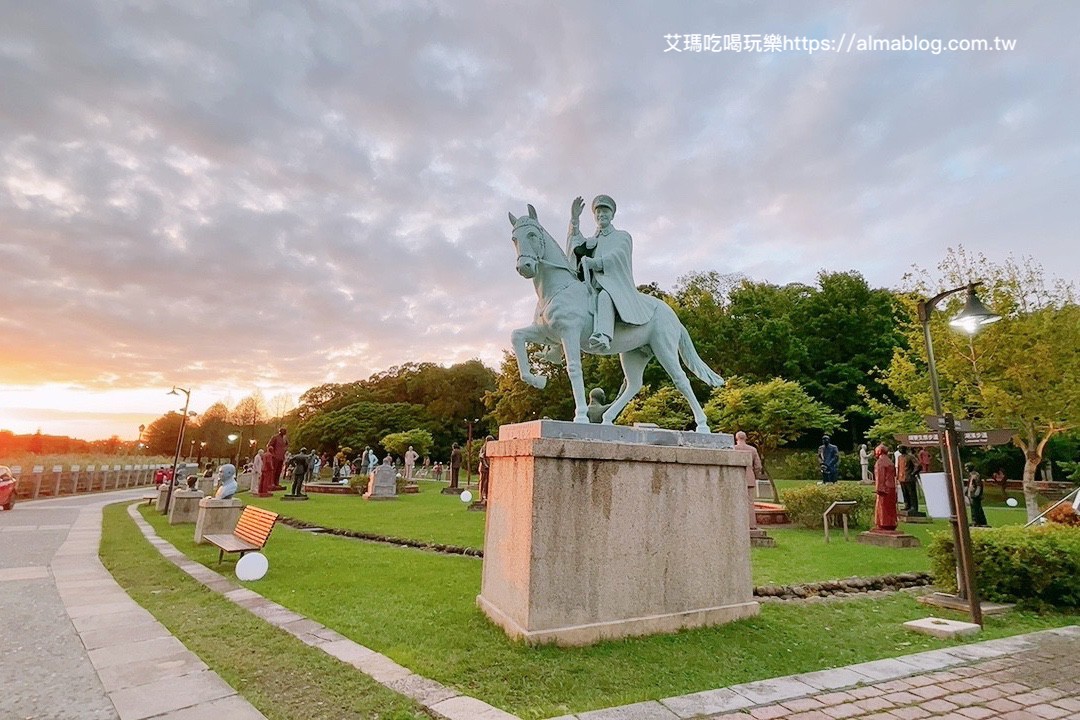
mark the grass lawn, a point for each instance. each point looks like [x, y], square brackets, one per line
[800, 556]
[284, 678]
[428, 516]
[419, 609]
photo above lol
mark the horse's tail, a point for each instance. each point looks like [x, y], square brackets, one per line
[693, 361]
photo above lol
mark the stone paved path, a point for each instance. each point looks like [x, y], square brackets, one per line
[73, 645]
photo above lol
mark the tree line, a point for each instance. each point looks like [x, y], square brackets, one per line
[837, 356]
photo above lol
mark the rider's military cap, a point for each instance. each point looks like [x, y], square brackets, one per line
[604, 200]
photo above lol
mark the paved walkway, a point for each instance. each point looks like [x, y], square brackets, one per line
[65, 657]
[73, 645]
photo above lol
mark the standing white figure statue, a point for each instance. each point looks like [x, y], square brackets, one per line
[411, 456]
[567, 304]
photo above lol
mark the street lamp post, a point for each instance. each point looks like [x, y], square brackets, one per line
[191, 450]
[971, 319]
[179, 442]
[202, 449]
[468, 451]
[238, 439]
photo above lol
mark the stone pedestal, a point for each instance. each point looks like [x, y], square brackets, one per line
[760, 538]
[206, 486]
[216, 517]
[914, 517]
[589, 540]
[478, 505]
[184, 507]
[411, 488]
[888, 538]
[383, 484]
[163, 496]
[452, 490]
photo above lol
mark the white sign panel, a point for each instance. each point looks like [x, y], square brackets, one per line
[936, 491]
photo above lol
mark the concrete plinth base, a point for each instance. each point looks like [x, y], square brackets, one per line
[948, 629]
[478, 506]
[888, 538]
[411, 489]
[452, 490]
[914, 517]
[163, 496]
[184, 507]
[760, 538]
[216, 517]
[588, 540]
[294, 497]
[954, 602]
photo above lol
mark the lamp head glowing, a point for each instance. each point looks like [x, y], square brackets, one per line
[974, 315]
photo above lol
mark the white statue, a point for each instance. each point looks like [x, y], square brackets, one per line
[411, 456]
[568, 302]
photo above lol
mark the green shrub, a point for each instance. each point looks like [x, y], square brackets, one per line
[805, 505]
[1016, 563]
[804, 465]
[797, 465]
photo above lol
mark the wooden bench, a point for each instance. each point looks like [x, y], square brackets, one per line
[251, 533]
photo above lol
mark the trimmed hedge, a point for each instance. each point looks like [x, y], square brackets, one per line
[805, 505]
[1014, 563]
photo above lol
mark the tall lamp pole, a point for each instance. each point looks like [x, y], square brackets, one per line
[971, 319]
[238, 439]
[179, 442]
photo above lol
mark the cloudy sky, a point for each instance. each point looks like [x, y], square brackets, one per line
[238, 195]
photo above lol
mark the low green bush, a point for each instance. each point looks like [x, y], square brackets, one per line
[1016, 563]
[805, 505]
[804, 465]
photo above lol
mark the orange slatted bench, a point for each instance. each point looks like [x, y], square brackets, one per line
[251, 533]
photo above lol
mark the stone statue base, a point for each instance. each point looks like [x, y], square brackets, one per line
[294, 497]
[888, 538]
[410, 489]
[478, 506]
[184, 507]
[452, 490]
[216, 517]
[914, 517]
[588, 541]
[760, 538]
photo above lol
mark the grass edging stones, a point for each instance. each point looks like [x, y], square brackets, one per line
[277, 673]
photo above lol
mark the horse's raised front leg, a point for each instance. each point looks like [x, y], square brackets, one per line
[518, 338]
[572, 354]
[633, 365]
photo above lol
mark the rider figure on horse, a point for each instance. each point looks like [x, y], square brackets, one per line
[604, 261]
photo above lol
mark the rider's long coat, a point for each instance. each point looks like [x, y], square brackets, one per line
[614, 272]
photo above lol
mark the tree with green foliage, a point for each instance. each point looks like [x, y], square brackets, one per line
[1022, 372]
[398, 443]
[771, 413]
[666, 408]
[357, 425]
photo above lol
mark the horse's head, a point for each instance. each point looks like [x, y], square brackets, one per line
[530, 241]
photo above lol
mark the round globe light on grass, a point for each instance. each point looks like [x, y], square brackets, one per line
[466, 496]
[1011, 502]
[252, 566]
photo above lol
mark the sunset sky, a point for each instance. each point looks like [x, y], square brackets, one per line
[238, 195]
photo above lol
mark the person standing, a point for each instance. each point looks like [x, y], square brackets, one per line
[974, 492]
[276, 449]
[605, 262]
[885, 488]
[753, 472]
[905, 475]
[411, 456]
[829, 459]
